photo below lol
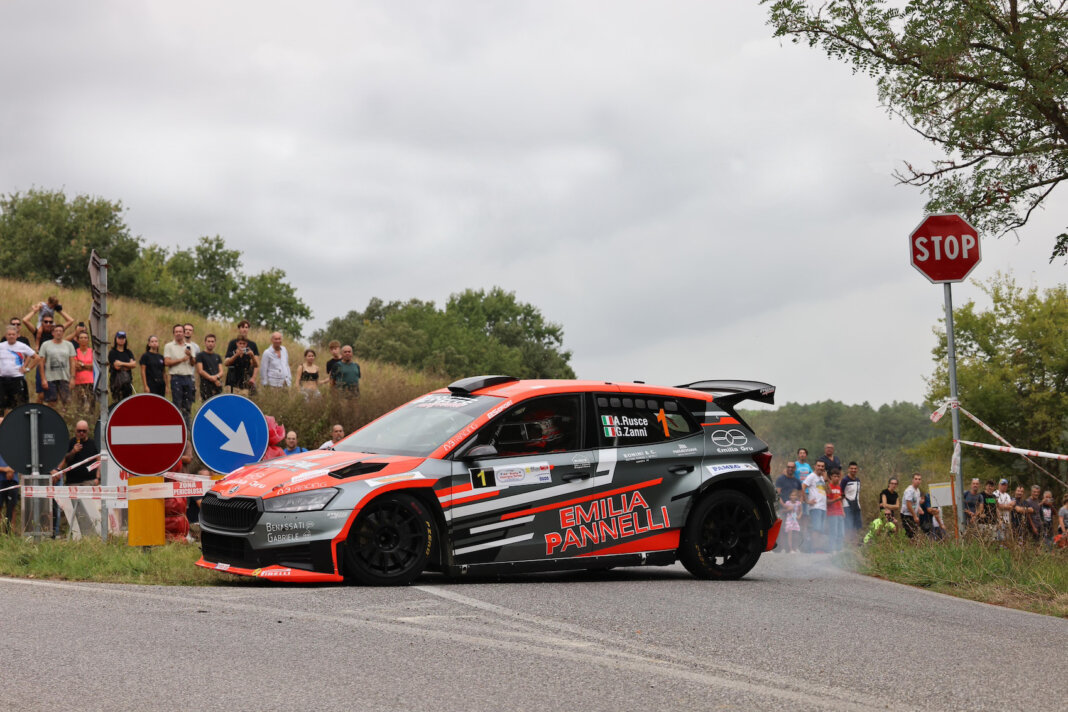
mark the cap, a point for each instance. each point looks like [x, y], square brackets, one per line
[1003, 482]
[120, 333]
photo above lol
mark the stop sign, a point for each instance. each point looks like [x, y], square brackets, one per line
[146, 434]
[944, 248]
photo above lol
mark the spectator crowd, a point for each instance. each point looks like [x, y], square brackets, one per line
[819, 504]
[59, 354]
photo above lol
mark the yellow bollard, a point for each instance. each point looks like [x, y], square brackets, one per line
[146, 517]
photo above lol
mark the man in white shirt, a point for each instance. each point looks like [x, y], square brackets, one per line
[179, 359]
[1005, 506]
[336, 434]
[912, 505]
[274, 364]
[816, 497]
[16, 359]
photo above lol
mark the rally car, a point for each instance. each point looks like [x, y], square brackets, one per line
[495, 474]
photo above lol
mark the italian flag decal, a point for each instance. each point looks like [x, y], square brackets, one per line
[610, 422]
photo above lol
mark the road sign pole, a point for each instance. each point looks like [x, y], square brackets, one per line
[98, 279]
[955, 411]
[35, 467]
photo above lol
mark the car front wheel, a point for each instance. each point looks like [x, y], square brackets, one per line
[389, 542]
[723, 538]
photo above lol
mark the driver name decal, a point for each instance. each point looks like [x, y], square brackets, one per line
[603, 520]
[622, 426]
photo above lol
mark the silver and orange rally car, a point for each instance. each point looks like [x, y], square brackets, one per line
[494, 474]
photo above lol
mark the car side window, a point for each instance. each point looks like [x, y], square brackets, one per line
[536, 427]
[639, 420]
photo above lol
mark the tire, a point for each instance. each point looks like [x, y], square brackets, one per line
[723, 537]
[390, 541]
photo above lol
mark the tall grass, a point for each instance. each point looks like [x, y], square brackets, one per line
[1019, 576]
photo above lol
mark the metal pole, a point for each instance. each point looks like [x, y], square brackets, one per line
[35, 465]
[958, 500]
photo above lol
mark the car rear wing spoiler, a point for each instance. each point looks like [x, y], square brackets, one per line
[730, 393]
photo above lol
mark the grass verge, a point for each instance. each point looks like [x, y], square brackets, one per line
[1025, 577]
[90, 559]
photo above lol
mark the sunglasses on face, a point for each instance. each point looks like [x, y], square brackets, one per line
[47, 321]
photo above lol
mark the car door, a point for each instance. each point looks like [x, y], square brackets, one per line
[658, 449]
[505, 503]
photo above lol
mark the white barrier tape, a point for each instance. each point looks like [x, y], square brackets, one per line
[73, 492]
[155, 490]
[1016, 450]
[10, 488]
[78, 464]
[937, 415]
[182, 477]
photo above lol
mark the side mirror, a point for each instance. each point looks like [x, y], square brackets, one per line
[479, 452]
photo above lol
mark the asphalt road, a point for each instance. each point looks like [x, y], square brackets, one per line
[796, 634]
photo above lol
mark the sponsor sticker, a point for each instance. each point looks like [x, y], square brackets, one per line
[525, 473]
[442, 400]
[603, 520]
[581, 462]
[728, 467]
[389, 479]
[622, 426]
[731, 440]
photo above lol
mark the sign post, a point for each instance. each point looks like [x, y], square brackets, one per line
[33, 438]
[98, 327]
[945, 249]
[146, 436]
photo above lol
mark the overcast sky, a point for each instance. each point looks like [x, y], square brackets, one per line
[688, 196]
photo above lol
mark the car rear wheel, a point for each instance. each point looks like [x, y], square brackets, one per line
[723, 538]
[389, 542]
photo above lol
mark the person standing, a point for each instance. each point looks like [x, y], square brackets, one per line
[188, 329]
[241, 367]
[829, 459]
[1033, 523]
[854, 522]
[973, 507]
[16, 359]
[274, 364]
[912, 505]
[1047, 516]
[209, 368]
[56, 367]
[346, 378]
[83, 375]
[816, 495]
[335, 357]
[1006, 505]
[308, 374]
[835, 511]
[121, 365]
[152, 369]
[80, 448]
[786, 483]
[179, 360]
[888, 504]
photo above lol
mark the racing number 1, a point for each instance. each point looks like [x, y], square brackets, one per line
[662, 419]
[482, 478]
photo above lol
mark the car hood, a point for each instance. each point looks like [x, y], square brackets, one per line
[311, 470]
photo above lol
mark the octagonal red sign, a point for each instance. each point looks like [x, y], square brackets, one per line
[146, 434]
[944, 248]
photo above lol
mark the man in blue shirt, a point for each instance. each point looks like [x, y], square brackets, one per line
[291, 447]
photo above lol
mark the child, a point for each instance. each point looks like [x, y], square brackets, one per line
[792, 510]
[835, 512]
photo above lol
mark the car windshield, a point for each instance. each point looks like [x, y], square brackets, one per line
[419, 427]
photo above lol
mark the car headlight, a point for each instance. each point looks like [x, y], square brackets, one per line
[309, 501]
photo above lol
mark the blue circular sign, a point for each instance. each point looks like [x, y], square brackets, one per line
[229, 432]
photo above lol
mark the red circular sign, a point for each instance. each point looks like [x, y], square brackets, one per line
[944, 248]
[146, 434]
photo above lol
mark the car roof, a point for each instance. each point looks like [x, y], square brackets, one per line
[521, 390]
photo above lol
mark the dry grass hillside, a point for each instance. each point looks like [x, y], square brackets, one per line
[383, 386]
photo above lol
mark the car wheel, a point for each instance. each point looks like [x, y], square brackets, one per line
[389, 542]
[723, 538]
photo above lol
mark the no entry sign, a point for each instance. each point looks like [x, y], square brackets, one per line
[945, 248]
[146, 434]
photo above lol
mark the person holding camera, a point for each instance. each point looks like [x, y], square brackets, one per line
[241, 367]
[180, 361]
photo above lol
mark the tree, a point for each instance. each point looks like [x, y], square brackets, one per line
[1012, 370]
[46, 237]
[268, 300]
[209, 278]
[984, 80]
[477, 332]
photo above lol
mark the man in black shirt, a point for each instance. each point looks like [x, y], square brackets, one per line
[80, 448]
[973, 506]
[209, 368]
[786, 483]
[241, 375]
[829, 459]
[335, 357]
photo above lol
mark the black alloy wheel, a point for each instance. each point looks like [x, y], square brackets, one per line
[389, 542]
[724, 537]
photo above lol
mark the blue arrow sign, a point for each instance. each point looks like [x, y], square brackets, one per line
[228, 432]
